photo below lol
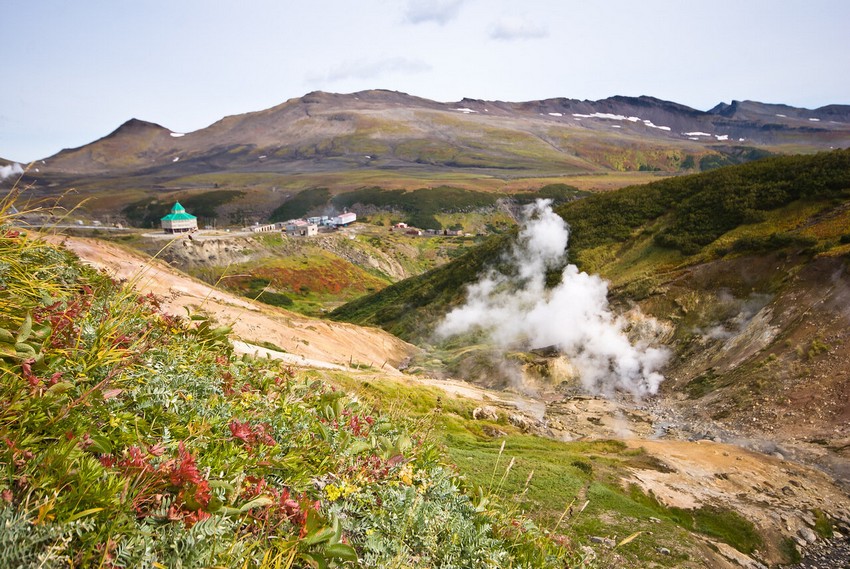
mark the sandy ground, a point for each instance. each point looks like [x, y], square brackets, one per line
[778, 496]
[305, 341]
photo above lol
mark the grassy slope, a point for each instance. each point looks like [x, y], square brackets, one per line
[551, 480]
[635, 235]
[409, 308]
[134, 438]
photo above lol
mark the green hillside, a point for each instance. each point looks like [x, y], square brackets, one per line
[409, 308]
[694, 211]
[635, 235]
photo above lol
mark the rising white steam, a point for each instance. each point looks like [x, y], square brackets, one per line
[10, 170]
[517, 309]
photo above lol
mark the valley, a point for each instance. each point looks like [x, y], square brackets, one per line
[682, 461]
[622, 329]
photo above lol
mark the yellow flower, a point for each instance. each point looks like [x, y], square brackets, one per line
[333, 492]
[342, 490]
[406, 474]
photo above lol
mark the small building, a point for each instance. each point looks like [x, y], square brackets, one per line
[344, 219]
[178, 221]
[267, 228]
[301, 228]
[294, 226]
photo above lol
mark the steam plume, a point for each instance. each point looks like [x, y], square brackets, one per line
[10, 170]
[517, 309]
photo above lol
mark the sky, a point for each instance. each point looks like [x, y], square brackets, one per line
[73, 71]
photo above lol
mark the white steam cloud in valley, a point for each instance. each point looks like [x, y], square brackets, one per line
[518, 310]
[10, 170]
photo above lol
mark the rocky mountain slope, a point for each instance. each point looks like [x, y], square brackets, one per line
[393, 140]
[389, 129]
[304, 340]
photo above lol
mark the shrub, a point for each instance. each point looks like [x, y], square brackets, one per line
[301, 204]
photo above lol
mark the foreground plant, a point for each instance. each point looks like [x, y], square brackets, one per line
[132, 438]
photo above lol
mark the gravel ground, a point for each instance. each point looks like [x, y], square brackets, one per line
[826, 554]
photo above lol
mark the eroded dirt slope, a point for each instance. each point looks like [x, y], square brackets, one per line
[307, 338]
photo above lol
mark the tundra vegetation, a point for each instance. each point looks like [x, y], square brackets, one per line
[135, 438]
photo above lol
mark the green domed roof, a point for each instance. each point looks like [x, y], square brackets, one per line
[178, 213]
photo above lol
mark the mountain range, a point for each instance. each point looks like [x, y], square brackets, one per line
[393, 139]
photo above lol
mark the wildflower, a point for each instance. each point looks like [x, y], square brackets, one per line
[342, 490]
[406, 474]
[334, 492]
[241, 431]
[186, 470]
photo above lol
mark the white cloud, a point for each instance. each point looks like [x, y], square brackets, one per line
[514, 28]
[365, 69]
[438, 11]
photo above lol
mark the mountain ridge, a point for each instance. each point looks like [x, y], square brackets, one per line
[321, 118]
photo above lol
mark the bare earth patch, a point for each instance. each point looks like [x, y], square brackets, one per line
[301, 337]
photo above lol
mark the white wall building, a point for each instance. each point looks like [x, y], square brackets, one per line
[344, 218]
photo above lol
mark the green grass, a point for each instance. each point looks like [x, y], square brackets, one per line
[725, 525]
[563, 476]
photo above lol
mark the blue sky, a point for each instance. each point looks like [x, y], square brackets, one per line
[73, 71]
